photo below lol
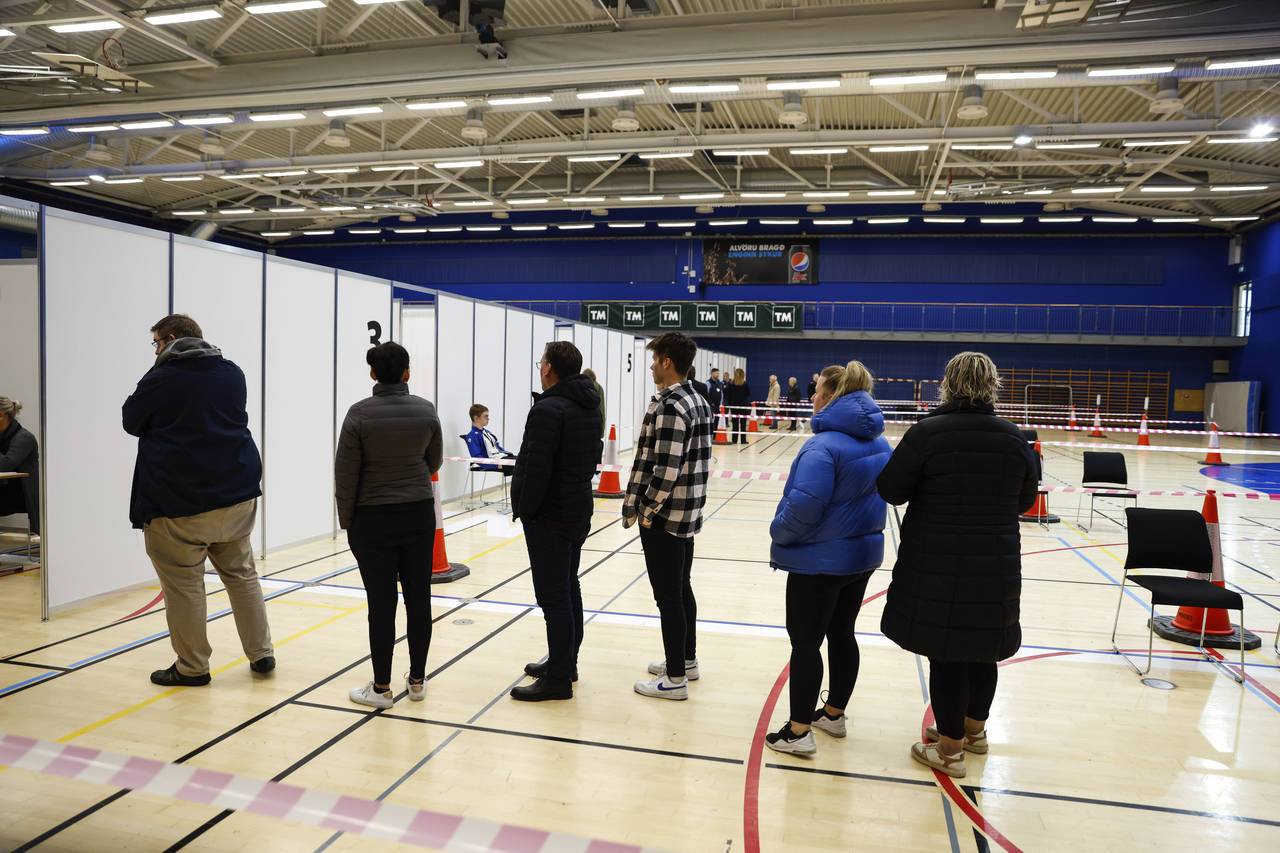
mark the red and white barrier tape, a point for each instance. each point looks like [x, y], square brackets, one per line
[310, 806]
[1248, 496]
[1151, 430]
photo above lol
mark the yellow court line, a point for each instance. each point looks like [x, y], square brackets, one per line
[171, 691]
[514, 539]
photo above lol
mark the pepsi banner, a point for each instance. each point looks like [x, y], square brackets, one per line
[696, 316]
[759, 262]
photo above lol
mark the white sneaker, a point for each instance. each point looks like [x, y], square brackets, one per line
[367, 695]
[417, 692]
[659, 667]
[784, 740]
[664, 688]
[835, 728]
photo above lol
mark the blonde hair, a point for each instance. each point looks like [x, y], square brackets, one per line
[971, 376]
[739, 376]
[10, 407]
[839, 381]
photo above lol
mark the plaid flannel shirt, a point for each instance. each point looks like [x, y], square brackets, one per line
[673, 457]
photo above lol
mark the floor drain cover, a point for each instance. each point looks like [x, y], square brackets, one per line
[472, 622]
[1159, 684]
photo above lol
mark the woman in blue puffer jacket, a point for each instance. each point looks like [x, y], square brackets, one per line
[828, 534]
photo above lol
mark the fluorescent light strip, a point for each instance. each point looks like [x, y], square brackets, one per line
[891, 192]
[189, 212]
[484, 227]
[887, 220]
[1151, 143]
[1117, 219]
[640, 198]
[762, 195]
[528, 228]
[1140, 71]
[676, 224]
[519, 99]
[1242, 188]
[396, 167]
[575, 226]
[1175, 219]
[275, 233]
[455, 164]
[68, 183]
[832, 221]
[1056, 219]
[352, 111]
[799, 151]
[338, 208]
[826, 194]
[1233, 218]
[93, 128]
[792, 85]
[289, 6]
[700, 196]
[721, 223]
[287, 173]
[321, 232]
[445, 229]
[1160, 189]
[627, 224]
[908, 79]
[6, 33]
[993, 146]
[236, 211]
[436, 105]
[294, 209]
[598, 94]
[1220, 141]
[740, 152]
[594, 158]
[1000, 220]
[183, 17]
[527, 200]
[266, 117]
[586, 199]
[689, 88]
[477, 203]
[1227, 64]
[666, 155]
[340, 170]
[149, 124]
[86, 27]
[779, 221]
[364, 230]
[1038, 192]
[123, 181]
[945, 220]
[1095, 190]
[1046, 74]
[410, 230]
[240, 176]
[890, 149]
[1063, 146]
[202, 121]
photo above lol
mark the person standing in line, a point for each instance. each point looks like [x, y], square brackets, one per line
[666, 493]
[771, 401]
[551, 495]
[828, 536]
[813, 387]
[715, 392]
[954, 597]
[793, 403]
[19, 452]
[737, 398]
[389, 447]
[195, 488]
[604, 416]
[700, 387]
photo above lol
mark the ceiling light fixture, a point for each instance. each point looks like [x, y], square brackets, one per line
[1164, 189]
[1175, 219]
[528, 228]
[640, 198]
[338, 208]
[724, 223]
[320, 232]
[92, 128]
[445, 229]
[512, 100]
[484, 227]
[740, 152]
[148, 124]
[455, 164]
[945, 220]
[801, 85]
[1233, 218]
[818, 151]
[779, 221]
[593, 158]
[1116, 219]
[527, 200]
[689, 224]
[689, 88]
[762, 195]
[201, 121]
[1095, 190]
[275, 233]
[264, 117]
[474, 203]
[1023, 139]
[888, 149]
[1066, 145]
[1222, 141]
[123, 181]
[599, 94]
[68, 183]
[293, 209]
[832, 221]
[1139, 71]
[337, 170]
[1261, 129]
[627, 224]
[437, 105]
[189, 212]
[999, 220]
[287, 173]
[908, 79]
[86, 26]
[1038, 192]
[364, 230]
[575, 226]
[287, 6]
[1061, 219]
[700, 196]
[826, 194]
[891, 192]
[367, 109]
[240, 176]
[236, 211]
[394, 167]
[986, 146]
[1151, 143]
[184, 17]
[666, 155]
[177, 179]
[1227, 64]
[409, 230]
[1239, 188]
[887, 220]
[585, 199]
[1041, 74]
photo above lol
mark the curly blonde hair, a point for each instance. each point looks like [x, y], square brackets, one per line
[971, 376]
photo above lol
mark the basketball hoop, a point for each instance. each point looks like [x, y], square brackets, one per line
[113, 54]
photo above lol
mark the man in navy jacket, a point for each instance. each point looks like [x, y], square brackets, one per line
[195, 490]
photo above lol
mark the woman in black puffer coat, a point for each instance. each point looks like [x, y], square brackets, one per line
[968, 475]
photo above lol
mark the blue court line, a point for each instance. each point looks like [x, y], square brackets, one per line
[11, 687]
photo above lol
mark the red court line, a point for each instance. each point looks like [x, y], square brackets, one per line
[159, 597]
[1249, 678]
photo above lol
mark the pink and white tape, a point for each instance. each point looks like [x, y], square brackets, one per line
[310, 806]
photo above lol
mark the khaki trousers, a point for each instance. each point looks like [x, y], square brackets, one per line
[177, 548]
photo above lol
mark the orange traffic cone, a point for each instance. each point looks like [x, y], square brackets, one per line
[722, 435]
[610, 487]
[1071, 420]
[752, 425]
[1096, 432]
[1039, 512]
[442, 571]
[1218, 630]
[1212, 456]
[1144, 437]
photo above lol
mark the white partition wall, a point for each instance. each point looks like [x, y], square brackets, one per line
[642, 384]
[626, 392]
[299, 381]
[364, 318]
[95, 345]
[519, 358]
[455, 319]
[20, 332]
[418, 336]
[614, 362]
[397, 305]
[544, 331]
[565, 333]
[489, 363]
[220, 287]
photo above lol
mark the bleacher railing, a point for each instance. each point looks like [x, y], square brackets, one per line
[968, 318]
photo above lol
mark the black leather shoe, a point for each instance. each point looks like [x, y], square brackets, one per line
[172, 678]
[543, 689]
[538, 670]
[263, 665]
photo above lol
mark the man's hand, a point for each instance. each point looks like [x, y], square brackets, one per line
[646, 524]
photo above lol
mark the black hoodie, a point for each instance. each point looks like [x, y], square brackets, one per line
[559, 454]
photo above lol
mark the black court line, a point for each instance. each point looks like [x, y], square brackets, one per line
[1066, 798]
[470, 727]
[37, 665]
[979, 839]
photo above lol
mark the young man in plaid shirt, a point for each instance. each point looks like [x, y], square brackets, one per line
[667, 490]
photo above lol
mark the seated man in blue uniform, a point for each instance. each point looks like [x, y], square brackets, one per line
[482, 444]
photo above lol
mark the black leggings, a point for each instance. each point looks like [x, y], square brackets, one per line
[669, 560]
[959, 689]
[822, 606]
[393, 542]
[739, 430]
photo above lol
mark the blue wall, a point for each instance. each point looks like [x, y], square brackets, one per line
[17, 244]
[1261, 357]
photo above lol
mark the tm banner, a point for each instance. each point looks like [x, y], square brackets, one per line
[696, 316]
[759, 262]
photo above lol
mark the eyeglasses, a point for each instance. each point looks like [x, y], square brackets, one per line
[538, 364]
[156, 344]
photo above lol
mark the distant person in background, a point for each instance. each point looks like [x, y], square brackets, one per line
[195, 490]
[737, 398]
[828, 536]
[700, 387]
[389, 447]
[715, 391]
[793, 403]
[483, 444]
[20, 453]
[771, 401]
[813, 387]
[604, 425]
[954, 598]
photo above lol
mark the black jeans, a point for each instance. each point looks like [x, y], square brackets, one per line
[554, 554]
[739, 429]
[959, 689]
[823, 606]
[393, 542]
[669, 560]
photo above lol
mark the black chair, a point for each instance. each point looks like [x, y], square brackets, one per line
[1174, 540]
[1104, 470]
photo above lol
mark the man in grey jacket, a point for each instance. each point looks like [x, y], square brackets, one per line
[389, 447]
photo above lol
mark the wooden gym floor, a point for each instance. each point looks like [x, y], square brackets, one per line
[1083, 755]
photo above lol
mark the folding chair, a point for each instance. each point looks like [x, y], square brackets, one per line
[1032, 437]
[503, 473]
[29, 561]
[1102, 470]
[1174, 540]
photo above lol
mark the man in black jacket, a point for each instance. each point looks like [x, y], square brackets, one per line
[551, 494]
[195, 490]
